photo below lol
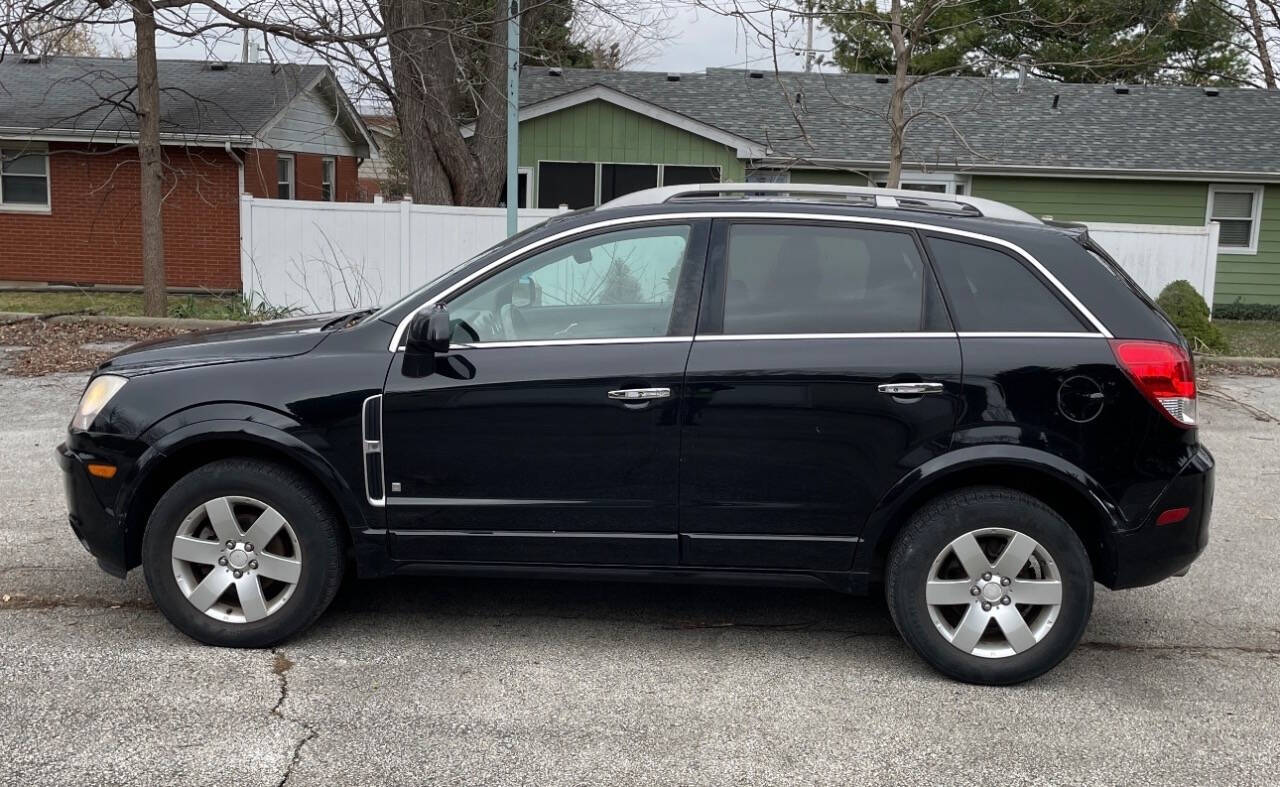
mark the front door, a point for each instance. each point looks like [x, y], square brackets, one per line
[823, 370]
[549, 433]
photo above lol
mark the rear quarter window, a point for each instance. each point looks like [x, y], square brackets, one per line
[991, 291]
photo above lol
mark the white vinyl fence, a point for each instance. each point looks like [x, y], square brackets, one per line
[325, 256]
[1156, 254]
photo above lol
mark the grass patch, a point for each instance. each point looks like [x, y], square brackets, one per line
[129, 304]
[1252, 338]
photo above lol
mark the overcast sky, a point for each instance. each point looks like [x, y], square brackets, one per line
[699, 38]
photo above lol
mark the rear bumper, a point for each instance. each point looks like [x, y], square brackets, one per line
[97, 528]
[1154, 552]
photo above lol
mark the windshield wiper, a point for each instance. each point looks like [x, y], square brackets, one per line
[347, 320]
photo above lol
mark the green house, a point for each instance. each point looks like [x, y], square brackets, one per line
[1136, 154]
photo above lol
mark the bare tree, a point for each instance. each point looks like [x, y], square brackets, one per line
[21, 32]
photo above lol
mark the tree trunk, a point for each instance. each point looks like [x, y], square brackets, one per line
[444, 167]
[1260, 40]
[151, 179]
[897, 99]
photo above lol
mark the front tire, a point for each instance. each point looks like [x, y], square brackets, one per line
[990, 586]
[242, 553]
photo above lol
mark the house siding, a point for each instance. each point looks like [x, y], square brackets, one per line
[311, 125]
[1251, 278]
[600, 131]
[92, 234]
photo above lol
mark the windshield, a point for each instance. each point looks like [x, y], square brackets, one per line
[420, 291]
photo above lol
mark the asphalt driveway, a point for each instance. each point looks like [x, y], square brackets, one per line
[486, 682]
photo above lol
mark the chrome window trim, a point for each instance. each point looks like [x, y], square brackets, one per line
[1031, 335]
[570, 342]
[742, 337]
[676, 218]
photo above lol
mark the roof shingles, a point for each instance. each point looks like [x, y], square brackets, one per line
[963, 122]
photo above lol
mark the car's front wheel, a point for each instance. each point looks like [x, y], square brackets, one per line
[989, 585]
[242, 553]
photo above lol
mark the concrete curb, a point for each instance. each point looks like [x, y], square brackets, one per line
[1238, 360]
[146, 322]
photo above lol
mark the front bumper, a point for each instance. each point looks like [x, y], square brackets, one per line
[1154, 552]
[95, 524]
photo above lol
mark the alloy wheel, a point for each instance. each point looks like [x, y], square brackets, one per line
[994, 592]
[236, 559]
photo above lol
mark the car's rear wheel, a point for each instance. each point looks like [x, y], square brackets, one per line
[989, 586]
[242, 553]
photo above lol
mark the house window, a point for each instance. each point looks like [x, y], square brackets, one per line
[284, 176]
[619, 179]
[24, 179]
[571, 184]
[328, 176]
[936, 183]
[683, 175]
[1238, 211]
[522, 189]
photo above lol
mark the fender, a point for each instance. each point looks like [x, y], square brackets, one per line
[903, 495]
[247, 423]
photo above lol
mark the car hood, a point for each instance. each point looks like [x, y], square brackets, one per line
[252, 342]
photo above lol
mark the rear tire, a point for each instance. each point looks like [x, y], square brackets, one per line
[209, 577]
[989, 585]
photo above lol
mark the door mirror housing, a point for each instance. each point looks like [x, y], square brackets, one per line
[431, 331]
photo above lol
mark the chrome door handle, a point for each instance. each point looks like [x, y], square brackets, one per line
[640, 394]
[909, 389]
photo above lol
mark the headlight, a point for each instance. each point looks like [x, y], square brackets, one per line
[94, 398]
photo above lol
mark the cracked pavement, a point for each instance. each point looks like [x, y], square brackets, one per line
[452, 681]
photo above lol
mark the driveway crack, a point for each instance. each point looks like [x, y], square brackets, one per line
[280, 666]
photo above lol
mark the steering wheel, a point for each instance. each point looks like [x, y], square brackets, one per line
[514, 324]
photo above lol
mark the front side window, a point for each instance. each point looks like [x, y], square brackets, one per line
[284, 177]
[804, 279]
[24, 178]
[328, 175]
[990, 291]
[614, 285]
[1237, 210]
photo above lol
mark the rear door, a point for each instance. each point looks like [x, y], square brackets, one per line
[823, 370]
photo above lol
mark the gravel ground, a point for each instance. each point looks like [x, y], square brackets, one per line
[486, 682]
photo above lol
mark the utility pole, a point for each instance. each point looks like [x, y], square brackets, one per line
[808, 44]
[513, 116]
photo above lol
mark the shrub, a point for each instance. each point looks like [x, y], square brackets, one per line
[1186, 309]
[1247, 311]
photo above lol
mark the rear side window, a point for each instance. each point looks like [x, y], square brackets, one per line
[990, 291]
[783, 278]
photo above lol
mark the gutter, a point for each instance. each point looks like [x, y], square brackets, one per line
[1016, 170]
[239, 166]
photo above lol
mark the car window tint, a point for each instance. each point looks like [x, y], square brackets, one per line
[992, 291]
[614, 285]
[784, 278]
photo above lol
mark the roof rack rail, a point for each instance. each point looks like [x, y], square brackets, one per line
[865, 195]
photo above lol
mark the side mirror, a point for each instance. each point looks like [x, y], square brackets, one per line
[526, 293]
[430, 331]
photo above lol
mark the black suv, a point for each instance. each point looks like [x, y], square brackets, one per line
[853, 388]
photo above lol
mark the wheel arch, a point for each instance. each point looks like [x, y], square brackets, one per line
[1066, 489]
[200, 443]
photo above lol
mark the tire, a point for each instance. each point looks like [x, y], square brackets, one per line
[283, 585]
[925, 565]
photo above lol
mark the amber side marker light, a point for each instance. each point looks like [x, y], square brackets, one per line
[1172, 516]
[102, 471]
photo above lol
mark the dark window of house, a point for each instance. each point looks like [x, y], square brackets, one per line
[328, 175]
[24, 178]
[817, 279]
[619, 179]
[522, 191]
[566, 184]
[991, 291]
[680, 176]
[284, 177]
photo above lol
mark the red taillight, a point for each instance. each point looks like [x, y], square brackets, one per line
[1163, 372]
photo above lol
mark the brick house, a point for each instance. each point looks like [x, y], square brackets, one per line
[69, 201]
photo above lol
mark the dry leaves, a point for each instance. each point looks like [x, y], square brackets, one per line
[58, 346]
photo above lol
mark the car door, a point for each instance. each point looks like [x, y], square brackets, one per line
[824, 369]
[549, 431]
